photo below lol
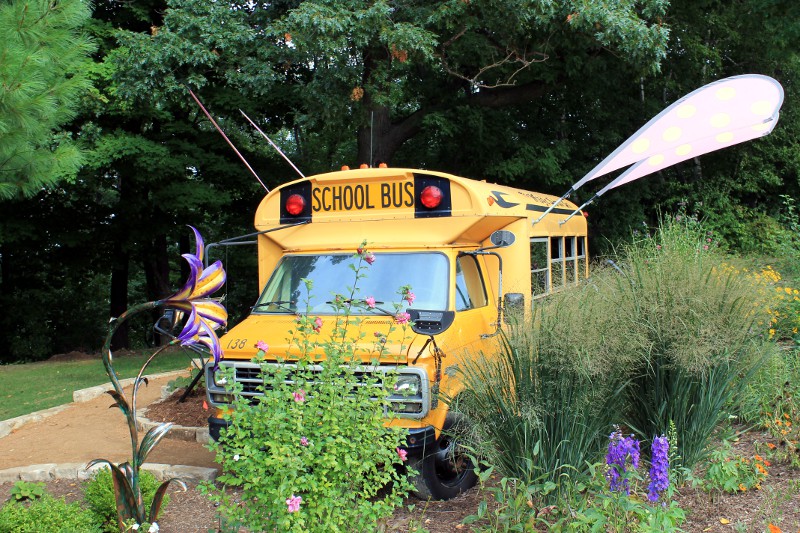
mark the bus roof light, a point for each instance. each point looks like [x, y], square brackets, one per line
[431, 196]
[363, 165]
[295, 204]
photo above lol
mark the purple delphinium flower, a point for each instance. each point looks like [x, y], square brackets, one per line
[619, 450]
[659, 477]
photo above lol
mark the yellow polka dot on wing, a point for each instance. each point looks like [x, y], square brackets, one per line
[673, 133]
[724, 137]
[720, 120]
[761, 108]
[640, 145]
[683, 149]
[655, 160]
[725, 93]
[686, 111]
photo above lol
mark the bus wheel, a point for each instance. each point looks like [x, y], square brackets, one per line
[444, 471]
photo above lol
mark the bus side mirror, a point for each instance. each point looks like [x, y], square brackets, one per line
[430, 322]
[502, 238]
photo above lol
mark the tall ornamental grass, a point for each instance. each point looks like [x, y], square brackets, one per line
[692, 320]
[546, 403]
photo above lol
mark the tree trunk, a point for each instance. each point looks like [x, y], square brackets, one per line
[156, 271]
[119, 294]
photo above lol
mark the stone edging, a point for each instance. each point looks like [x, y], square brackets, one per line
[191, 434]
[78, 471]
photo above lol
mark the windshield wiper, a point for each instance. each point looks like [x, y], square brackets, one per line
[281, 304]
[368, 308]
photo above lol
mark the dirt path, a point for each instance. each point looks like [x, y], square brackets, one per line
[90, 430]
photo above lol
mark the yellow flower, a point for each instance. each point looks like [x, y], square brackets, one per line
[742, 487]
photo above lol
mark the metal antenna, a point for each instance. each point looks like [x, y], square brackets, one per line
[272, 143]
[214, 122]
[371, 133]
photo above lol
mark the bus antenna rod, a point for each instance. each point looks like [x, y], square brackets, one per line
[272, 143]
[214, 122]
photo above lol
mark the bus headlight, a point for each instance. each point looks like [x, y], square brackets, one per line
[407, 385]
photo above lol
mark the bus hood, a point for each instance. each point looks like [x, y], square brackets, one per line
[375, 341]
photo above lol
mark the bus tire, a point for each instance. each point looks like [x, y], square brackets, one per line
[445, 471]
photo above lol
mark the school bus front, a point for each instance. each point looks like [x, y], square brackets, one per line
[430, 231]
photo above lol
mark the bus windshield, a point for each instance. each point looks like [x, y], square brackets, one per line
[425, 272]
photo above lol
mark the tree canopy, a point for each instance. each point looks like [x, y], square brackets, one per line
[527, 93]
[44, 55]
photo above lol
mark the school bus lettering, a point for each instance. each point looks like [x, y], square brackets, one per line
[397, 195]
[359, 197]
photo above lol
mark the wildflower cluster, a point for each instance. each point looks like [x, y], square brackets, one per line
[659, 469]
[623, 449]
[729, 472]
[785, 428]
[620, 449]
[785, 317]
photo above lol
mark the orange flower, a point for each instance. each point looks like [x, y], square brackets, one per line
[742, 487]
[767, 463]
[759, 458]
[761, 469]
[774, 529]
[771, 446]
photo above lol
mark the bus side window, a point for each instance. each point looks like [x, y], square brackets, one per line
[557, 262]
[581, 264]
[540, 273]
[470, 290]
[570, 269]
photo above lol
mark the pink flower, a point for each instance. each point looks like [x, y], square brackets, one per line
[369, 258]
[299, 396]
[410, 297]
[402, 318]
[293, 503]
[708, 240]
[658, 247]
[317, 324]
[303, 441]
[370, 301]
[403, 454]
[705, 247]
[263, 346]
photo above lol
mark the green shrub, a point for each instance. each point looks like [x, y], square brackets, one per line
[312, 452]
[46, 515]
[693, 317]
[99, 495]
[546, 402]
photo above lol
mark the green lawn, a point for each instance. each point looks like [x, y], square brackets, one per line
[34, 386]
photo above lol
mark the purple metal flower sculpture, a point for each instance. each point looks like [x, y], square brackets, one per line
[206, 315]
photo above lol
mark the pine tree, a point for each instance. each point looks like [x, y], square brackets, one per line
[43, 59]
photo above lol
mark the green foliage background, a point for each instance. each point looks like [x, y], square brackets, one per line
[531, 94]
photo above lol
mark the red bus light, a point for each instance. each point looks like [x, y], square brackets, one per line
[295, 204]
[431, 196]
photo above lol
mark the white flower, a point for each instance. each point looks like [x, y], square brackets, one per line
[135, 527]
[153, 528]
[236, 457]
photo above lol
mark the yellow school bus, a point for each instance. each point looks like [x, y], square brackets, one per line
[470, 250]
